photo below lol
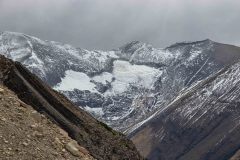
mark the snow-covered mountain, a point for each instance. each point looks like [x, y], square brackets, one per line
[202, 123]
[124, 87]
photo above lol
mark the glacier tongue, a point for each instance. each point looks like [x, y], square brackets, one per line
[126, 75]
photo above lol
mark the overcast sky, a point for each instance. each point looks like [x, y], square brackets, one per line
[108, 24]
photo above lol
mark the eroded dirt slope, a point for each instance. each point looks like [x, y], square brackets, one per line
[26, 134]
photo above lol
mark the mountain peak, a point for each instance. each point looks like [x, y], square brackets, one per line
[10, 33]
[185, 43]
[134, 45]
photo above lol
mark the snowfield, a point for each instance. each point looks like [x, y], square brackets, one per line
[75, 80]
[124, 74]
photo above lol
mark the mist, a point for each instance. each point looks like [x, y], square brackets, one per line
[109, 24]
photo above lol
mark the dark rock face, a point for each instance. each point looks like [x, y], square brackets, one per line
[101, 141]
[201, 124]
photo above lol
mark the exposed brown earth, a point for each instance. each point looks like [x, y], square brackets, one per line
[236, 156]
[25, 134]
[101, 141]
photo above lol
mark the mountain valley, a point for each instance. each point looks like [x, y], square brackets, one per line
[179, 102]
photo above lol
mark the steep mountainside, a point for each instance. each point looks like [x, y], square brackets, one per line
[202, 123]
[101, 141]
[122, 87]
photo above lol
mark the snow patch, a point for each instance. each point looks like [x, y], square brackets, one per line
[194, 54]
[96, 111]
[103, 78]
[75, 80]
[162, 54]
[20, 53]
[126, 74]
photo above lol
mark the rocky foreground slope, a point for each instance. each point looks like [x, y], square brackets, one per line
[27, 134]
[101, 141]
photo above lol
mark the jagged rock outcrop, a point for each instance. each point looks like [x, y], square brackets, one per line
[100, 140]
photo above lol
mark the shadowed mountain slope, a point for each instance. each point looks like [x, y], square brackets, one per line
[202, 123]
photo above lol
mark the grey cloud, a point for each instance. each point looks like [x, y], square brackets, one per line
[107, 24]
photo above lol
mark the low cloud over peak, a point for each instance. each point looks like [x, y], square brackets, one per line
[108, 24]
